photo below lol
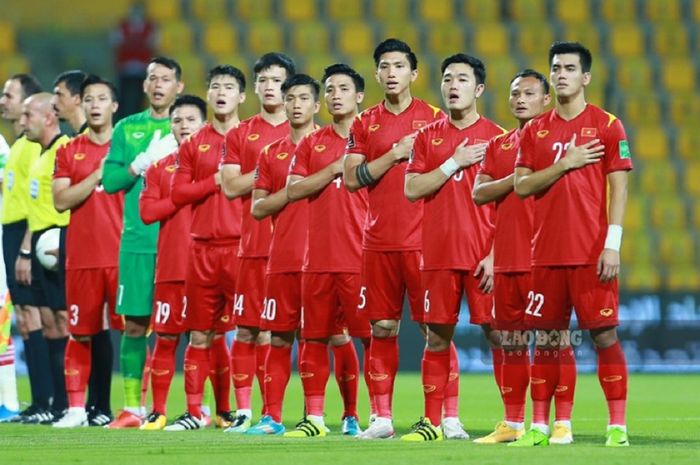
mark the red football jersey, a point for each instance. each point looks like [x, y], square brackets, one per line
[570, 221]
[243, 146]
[94, 231]
[289, 224]
[213, 215]
[513, 234]
[393, 223]
[155, 204]
[457, 233]
[336, 215]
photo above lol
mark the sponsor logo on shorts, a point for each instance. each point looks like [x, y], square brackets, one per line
[189, 367]
[204, 147]
[319, 148]
[268, 379]
[427, 388]
[506, 389]
[79, 156]
[225, 318]
[305, 375]
[374, 127]
[253, 137]
[437, 141]
[612, 379]
[453, 376]
[537, 381]
[542, 134]
[282, 156]
[606, 312]
[378, 376]
[561, 388]
[417, 124]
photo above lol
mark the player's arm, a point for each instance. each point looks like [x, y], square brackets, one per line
[266, 204]
[185, 190]
[529, 182]
[153, 205]
[234, 183]
[485, 269]
[67, 195]
[486, 189]
[23, 264]
[117, 175]
[358, 173]
[609, 261]
[301, 187]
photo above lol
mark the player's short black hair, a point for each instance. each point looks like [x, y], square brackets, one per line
[476, 64]
[275, 58]
[340, 68]
[189, 99]
[30, 85]
[72, 79]
[92, 79]
[560, 48]
[528, 72]
[395, 45]
[302, 80]
[227, 70]
[168, 63]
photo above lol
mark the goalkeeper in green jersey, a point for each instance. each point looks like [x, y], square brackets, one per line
[139, 141]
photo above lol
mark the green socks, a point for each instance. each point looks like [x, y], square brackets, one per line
[133, 359]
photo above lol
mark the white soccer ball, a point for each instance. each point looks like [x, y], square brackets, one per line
[49, 240]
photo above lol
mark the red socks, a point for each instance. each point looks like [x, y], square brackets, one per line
[564, 392]
[612, 374]
[220, 373]
[77, 369]
[261, 352]
[162, 371]
[435, 370]
[365, 370]
[451, 402]
[315, 370]
[515, 377]
[543, 381]
[497, 360]
[384, 363]
[277, 372]
[196, 368]
[347, 372]
[243, 360]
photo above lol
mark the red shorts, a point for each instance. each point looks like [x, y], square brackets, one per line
[169, 307]
[282, 305]
[385, 278]
[443, 296]
[87, 314]
[330, 306]
[556, 289]
[209, 286]
[250, 291]
[510, 298]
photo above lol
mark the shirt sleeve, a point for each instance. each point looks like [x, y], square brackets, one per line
[185, 190]
[115, 175]
[417, 161]
[300, 163]
[153, 206]
[232, 148]
[617, 151]
[263, 178]
[526, 155]
[487, 165]
[62, 168]
[357, 140]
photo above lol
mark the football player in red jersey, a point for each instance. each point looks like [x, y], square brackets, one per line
[77, 187]
[187, 115]
[379, 145]
[281, 312]
[528, 97]
[243, 146]
[331, 273]
[457, 236]
[569, 157]
[211, 270]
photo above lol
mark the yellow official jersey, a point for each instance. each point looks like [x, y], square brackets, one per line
[16, 180]
[42, 213]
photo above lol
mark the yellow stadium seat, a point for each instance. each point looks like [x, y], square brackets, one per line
[481, 10]
[194, 71]
[640, 277]
[683, 278]
[585, 33]
[219, 38]
[427, 78]
[436, 11]
[534, 37]
[634, 73]
[342, 10]
[8, 43]
[668, 211]
[636, 214]
[626, 39]
[569, 12]
[684, 108]
[490, 39]
[315, 63]
[641, 107]
[678, 74]
[499, 72]
[688, 141]
[163, 10]
[696, 214]
[676, 246]
[355, 38]
[298, 10]
[12, 64]
[407, 31]
[446, 39]
[175, 37]
[691, 175]
[638, 248]
[670, 38]
[662, 10]
[695, 11]
[527, 10]
[310, 37]
[264, 36]
[210, 9]
[651, 143]
[618, 10]
[252, 9]
[393, 11]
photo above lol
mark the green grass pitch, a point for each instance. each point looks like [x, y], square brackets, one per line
[663, 417]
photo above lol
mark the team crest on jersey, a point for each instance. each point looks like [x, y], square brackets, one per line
[138, 135]
[417, 124]
[282, 155]
[204, 147]
[79, 156]
[253, 137]
[542, 134]
[437, 141]
[588, 132]
[319, 148]
[606, 312]
[507, 146]
[374, 127]
[170, 168]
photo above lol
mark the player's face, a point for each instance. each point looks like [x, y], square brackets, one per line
[300, 105]
[161, 86]
[98, 105]
[459, 87]
[527, 98]
[63, 102]
[268, 86]
[394, 73]
[341, 95]
[11, 100]
[33, 120]
[224, 95]
[184, 121]
[566, 76]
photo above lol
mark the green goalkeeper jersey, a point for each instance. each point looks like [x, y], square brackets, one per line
[131, 136]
